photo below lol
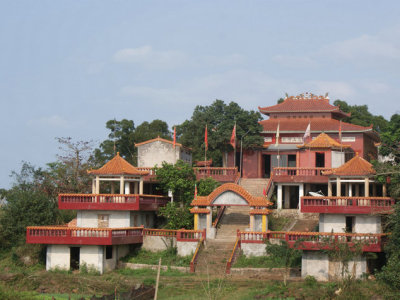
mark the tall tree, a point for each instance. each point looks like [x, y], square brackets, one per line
[146, 131]
[120, 139]
[220, 119]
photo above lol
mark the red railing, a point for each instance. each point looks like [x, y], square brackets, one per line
[233, 256]
[111, 201]
[221, 211]
[299, 174]
[159, 232]
[83, 236]
[316, 240]
[354, 205]
[193, 262]
[219, 174]
[184, 235]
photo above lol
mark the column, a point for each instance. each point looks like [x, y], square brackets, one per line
[141, 186]
[97, 184]
[279, 197]
[329, 188]
[252, 220]
[127, 190]
[93, 186]
[357, 190]
[350, 190]
[208, 221]
[338, 187]
[112, 187]
[286, 203]
[384, 190]
[196, 221]
[136, 188]
[121, 184]
[264, 223]
[301, 194]
[366, 187]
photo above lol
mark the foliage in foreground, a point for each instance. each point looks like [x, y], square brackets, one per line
[176, 216]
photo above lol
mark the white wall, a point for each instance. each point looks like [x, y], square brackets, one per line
[315, 263]
[156, 152]
[337, 159]
[93, 257]
[186, 248]
[89, 218]
[158, 243]
[57, 256]
[253, 249]
[367, 224]
[230, 197]
[332, 222]
[141, 219]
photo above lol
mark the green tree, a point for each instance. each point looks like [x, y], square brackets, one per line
[220, 119]
[147, 131]
[121, 139]
[177, 217]
[360, 115]
[391, 138]
[206, 186]
[179, 179]
[390, 273]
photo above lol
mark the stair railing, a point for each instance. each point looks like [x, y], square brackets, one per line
[233, 256]
[193, 262]
[219, 216]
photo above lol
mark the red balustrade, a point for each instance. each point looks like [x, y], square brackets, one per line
[345, 205]
[110, 201]
[282, 174]
[234, 254]
[219, 174]
[184, 235]
[316, 240]
[159, 232]
[83, 236]
[193, 262]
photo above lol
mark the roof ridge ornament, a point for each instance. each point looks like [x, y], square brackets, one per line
[307, 96]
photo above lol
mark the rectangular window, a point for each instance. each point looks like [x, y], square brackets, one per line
[292, 139]
[348, 139]
[267, 139]
[103, 221]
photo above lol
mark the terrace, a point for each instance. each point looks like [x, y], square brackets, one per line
[317, 240]
[111, 202]
[346, 205]
[310, 175]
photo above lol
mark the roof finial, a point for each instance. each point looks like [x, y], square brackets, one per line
[118, 153]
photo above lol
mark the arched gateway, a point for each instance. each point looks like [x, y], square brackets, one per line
[229, 194]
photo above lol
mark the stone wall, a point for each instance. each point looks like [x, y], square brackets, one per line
[155, 153]
[158, 243]
[186, 248]
[253, 249]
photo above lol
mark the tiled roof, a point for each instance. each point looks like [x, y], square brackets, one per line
[118, 166]
[323, 141]
[317, 125]
[251, 200]
[199, 210]
[301, 104]
[158, 139]
[357, 166]
[72, 223]
[260, 211]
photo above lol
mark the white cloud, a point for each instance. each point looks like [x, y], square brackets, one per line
[50, 121]
[150, 58]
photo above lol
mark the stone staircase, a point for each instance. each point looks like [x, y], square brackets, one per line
[212, 259]
[254, 186]
[304, 225]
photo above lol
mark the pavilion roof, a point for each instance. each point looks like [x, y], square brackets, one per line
[303, 103]
[357, 166]
[251, 200]
[199, 210]
[324, 141]
[117, 166]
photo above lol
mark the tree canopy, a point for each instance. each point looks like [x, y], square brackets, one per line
[219, 119]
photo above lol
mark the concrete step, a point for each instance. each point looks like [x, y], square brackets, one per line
[254, 186]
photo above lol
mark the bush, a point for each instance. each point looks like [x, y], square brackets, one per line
[177, 217]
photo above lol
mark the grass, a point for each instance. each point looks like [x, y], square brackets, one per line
[169, 257]
[265, 261]
[277, 223]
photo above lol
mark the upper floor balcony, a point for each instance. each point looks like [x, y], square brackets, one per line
[64, 235]
[346, 205]
[293, 174]
[219, 174]
[111, 202]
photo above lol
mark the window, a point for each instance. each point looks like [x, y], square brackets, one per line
[109, 252]
[103, 221]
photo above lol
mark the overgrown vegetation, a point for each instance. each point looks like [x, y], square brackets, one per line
[168, 257]
[277, 223]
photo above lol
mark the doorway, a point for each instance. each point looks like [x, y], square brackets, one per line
[292, 161]
[320, 159]
[74, 258]
[349, 225]
[267, 165]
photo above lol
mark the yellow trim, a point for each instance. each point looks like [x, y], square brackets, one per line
[196, 221]
[264, 223]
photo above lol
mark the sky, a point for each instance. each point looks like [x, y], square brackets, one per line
[67, 67]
